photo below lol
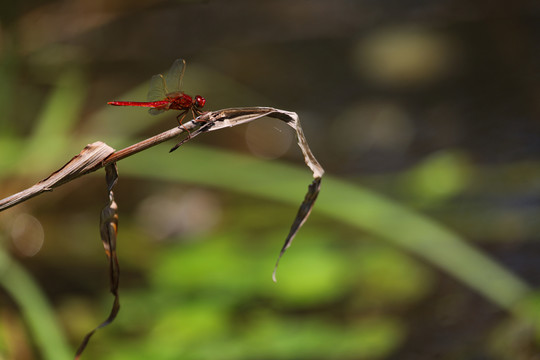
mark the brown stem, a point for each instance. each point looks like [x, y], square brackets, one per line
[97, 155]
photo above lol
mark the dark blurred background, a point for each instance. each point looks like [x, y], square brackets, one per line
[425, 115]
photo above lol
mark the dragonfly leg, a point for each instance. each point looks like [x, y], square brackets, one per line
[195, 113]
[204, 127]
[180, 118]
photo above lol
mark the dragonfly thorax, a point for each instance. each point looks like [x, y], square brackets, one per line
[179, 101]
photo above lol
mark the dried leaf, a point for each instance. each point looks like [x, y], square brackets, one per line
[108, 230]
[301, 217]
[202, 128]
[236, 116]
[86, 161]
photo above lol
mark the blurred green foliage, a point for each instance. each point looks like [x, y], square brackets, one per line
[362, 273]
[211, 296]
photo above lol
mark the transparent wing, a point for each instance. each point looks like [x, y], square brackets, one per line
[154, 111]
[175, 76]
[158, 88]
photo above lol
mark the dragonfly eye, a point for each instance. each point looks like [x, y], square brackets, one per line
[199, 101]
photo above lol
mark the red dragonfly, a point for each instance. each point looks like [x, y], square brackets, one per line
[161, 97]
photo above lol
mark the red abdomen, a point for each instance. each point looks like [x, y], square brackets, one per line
[150, 104]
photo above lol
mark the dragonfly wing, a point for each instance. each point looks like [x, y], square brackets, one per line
[155, 111]
[158, 88]
[175, 76]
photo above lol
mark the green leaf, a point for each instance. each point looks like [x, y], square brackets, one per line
[343, 201]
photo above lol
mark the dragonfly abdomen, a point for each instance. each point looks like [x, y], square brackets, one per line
[150, 104]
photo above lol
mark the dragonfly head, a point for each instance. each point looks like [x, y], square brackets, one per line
[199, 101]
